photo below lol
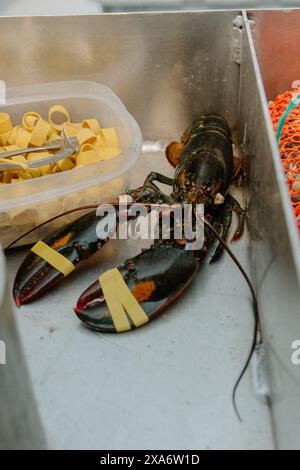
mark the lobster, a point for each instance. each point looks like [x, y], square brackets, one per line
[203, 162]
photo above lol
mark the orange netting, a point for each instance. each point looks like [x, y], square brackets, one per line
[289, 144]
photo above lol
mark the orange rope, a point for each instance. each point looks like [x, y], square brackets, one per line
[289, 145]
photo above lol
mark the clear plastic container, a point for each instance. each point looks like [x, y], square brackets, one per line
[24, 205]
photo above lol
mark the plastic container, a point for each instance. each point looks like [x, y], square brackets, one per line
[24, 205]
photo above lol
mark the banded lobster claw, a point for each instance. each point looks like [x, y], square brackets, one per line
[76, 242]
[155, 278]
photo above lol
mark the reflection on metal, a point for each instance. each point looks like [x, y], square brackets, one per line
[167, 5]
[20, 426]
[48, 7]
[2, 353]
[274, 240]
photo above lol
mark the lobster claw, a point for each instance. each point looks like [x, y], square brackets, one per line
[155, 278]
[76, 242]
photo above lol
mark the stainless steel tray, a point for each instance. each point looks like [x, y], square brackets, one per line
[169, 384]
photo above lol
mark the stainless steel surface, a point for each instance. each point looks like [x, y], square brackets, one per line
[48, 7]
[159, 61]
[277, 37]
[159, 5]
[169, 384]
[271, 251]
[20, 426]
[278, 66]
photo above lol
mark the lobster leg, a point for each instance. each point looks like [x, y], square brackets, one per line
[155, 277]
[226, 223]
[150, 192]
[241, 214]
[230, 204]
[154, 176]
[149, 182]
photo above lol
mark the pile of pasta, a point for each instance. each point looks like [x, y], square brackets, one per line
[96, 143]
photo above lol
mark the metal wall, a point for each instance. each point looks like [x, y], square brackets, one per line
[20, 426]
[277, 37]
[171, 67]
[274, 247]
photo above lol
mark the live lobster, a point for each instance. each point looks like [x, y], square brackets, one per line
[203, 162]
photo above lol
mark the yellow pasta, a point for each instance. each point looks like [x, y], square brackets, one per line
[13, 135]
[56, 114]
[18, 158]
[65, 164]
[40, 133]
[24, 175]
[101, 140]
[71, 201]
[86, 157]
[50, 209]
[93, 195]
[53, 136]
[4, 138]
[110, 137]
[5, 128]
[13, 164]
[108, 152]
[23, 138]
[72, 129]
[95, 144]
[86, 136]
[5, 123]
[23, 218]
[30, 119]
[10, 148]
[41, 170]
[93, 125]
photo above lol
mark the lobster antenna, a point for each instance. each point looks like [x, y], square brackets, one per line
[91, 206]
[70, 211]
[255, 313]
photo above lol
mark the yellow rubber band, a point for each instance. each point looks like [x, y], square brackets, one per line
[55, 259]
[118, 314]
[111, 282]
